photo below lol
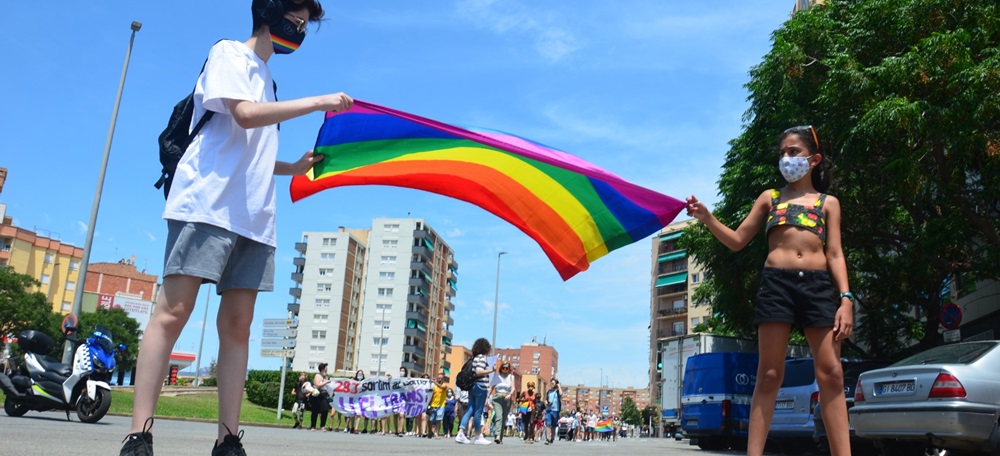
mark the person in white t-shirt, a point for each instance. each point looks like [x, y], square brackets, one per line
[220, 211]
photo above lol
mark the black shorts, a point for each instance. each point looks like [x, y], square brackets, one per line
[806, 299]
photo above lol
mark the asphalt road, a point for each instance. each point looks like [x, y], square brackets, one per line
[37, 434]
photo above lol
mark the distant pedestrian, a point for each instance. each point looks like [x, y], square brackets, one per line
[357, 421]
[436, 407]
[501, 395]
[302, 389]
[526, 408]
[450, 404]
[319, 404]
[553, 403]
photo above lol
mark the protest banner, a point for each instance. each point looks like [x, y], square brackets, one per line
[379, 397]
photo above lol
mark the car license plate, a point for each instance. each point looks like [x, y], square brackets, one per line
[784, 405]
[890, 388]
[691, 423]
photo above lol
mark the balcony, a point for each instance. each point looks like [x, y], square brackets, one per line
[664, 333]
[297, 277]
[453, 263]
[671, 290]
[419, 281]
[447, 333]
[413, 368]
[418, 299]
[414, 350]
[452, 275]
[300, 247]
[446, 365]
[450, 306]
[293, 307]
[296, 292]
[450, 321]
[667, 312]
[421, 266]
[420, 234]
[424, 252]
[415, 332]
[299, 261]
[419, 316]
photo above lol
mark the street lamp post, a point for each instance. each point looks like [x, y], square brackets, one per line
[201, 342]
[78, 296]
[381, 340]
[496, 304]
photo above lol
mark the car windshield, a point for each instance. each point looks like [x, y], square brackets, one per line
[798, 372]
[965, 353]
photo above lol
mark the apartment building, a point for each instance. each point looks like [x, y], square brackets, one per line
[376, 299]
[54, 264]
[675, 276]
[329, 276]
[533, 358]
[602, 399]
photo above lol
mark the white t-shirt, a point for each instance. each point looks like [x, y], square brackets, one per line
[505, 385]
[226, 177]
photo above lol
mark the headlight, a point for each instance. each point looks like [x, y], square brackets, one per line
[99, 365]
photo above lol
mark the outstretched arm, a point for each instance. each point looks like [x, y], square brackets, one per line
[734, 239]
[249, 114]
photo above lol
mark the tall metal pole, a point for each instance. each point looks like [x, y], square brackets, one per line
[381, 337]
[496, 304]
[78, 297]
[201, 342]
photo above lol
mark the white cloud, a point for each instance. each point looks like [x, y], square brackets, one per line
[550, 37]
[149, 235]
[455, 233]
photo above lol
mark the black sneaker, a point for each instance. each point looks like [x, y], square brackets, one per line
[230, 446]
[139, 443]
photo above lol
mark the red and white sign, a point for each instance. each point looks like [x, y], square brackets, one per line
[136, 308]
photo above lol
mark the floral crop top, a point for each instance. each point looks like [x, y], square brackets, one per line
[810, 218]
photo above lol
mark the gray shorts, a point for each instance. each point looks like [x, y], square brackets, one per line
[218, 256]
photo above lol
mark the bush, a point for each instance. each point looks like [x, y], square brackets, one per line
[210, 381]
[264, 376]
[265, 394]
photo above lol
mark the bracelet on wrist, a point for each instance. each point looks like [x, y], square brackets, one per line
[848, 295]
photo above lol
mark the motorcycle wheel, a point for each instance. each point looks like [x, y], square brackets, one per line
[14, 408]
[91, 411]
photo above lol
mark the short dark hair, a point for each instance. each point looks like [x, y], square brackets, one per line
[322, 366]
[314, 7]
[481, 347]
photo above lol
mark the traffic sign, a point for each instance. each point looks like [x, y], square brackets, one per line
[280, 333]
[277, 343]
[950, 316]
[69, 322]
[280, 323]
[270, 353]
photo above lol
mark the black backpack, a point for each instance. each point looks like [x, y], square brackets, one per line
[174, 140]
[466, 377]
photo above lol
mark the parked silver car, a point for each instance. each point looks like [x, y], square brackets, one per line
[945, 398]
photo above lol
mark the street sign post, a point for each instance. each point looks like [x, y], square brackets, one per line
[280, 323]
[273, 353]
[279, 333]
[277, 343]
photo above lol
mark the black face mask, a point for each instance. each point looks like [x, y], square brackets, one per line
[286, 37]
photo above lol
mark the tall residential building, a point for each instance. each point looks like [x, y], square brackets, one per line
[406, 322]
[55, 264]
[329, 273]
[596, 398]
[675, 276]
[374, 300]
[533, 359]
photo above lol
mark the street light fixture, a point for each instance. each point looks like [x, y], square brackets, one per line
[496, 304]
[85, 261]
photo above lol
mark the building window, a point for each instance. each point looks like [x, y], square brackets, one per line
[312, 366]
[695, 321]
[319, 334]
[380, 341]
[317, 349]
[390, 243]
[327, 257]
[329, 242]
[386, 276]
[537, 355]
[678, 328]
[322, 302]
[45, 279]
[385, 292]
[388, 259]
[67, 306]
[382, 324]
[70, 285]
[383, 306]
[74, 265]
[320, 318]
[535, 370]
[49, 258]
[376, 357]
[323, 272]
[320, 286]
[694, 278]
[391, 227]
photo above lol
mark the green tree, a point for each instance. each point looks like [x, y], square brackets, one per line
[124, 330]
[650, 412]
[21, 309]
[904, 96]
[630, 413]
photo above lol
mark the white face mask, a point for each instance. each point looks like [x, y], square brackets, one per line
[794, 168]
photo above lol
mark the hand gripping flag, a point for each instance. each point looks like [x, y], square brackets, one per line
[574, 210]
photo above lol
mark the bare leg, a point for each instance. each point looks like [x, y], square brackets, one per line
[173, 308]
[235, 316]
[772, 339]
[830, 377]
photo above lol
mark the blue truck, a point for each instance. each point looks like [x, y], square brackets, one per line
[715, 398]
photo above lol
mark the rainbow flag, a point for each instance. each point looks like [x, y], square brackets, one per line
[604, 426]
[574, 210]
[522, 409]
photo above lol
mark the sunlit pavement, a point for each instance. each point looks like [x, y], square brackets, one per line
[50, 433]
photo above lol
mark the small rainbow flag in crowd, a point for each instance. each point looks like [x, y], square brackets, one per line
[522, 409]
[574, 210]
[604, 426]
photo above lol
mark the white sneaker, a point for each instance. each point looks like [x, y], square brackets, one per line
[461, 438]
[481, 441]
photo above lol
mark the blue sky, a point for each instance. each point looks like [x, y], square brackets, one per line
[650, 90]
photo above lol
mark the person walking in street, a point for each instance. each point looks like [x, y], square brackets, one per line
[553, 403]
[804, 282]
[302, 389]
[477, 397]
[501, 395]
[319, 404]
[526, 406]
[357, 421]
[436, 408]
[450, 405]
[220, 212]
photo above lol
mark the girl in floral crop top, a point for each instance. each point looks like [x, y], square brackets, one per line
[803, 275]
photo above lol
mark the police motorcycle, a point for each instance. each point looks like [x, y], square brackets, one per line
[40, 382]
